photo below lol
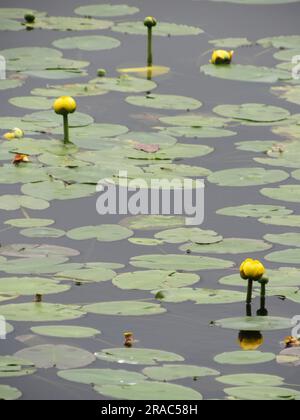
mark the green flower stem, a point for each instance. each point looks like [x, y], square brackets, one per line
[150, 55]
[249, 292]
[66, 129]
[248, 309]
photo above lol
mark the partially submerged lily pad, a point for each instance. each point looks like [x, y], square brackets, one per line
[65, 331]
[103, 233]
[289, 193]
[106, 10]
[265, 393]
[163, 29]
[257, 323]
[13, 367]
[253, 112]
[152, 222]
[101, 376]
[288, 239]
[231, 42]
[138, 356]
[254, 210]
[165, 102]
[29, 286]
[87, 43]
[195, 235]
[9, 393]
[251, 379]
[287, 256]
[67, 23]
[15, 202]
[228, 246]
[125, 308]
[173, 372]
[199, 296]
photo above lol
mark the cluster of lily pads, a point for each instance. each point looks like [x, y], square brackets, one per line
[70, 170]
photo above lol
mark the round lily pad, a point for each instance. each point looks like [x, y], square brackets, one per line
[287, 256]
[38, 250]
[93, 274]
[290, 220]
[145, 241]
[87, 43]
[42, 233]
[74, 89]
[289, 357]
[199, 296]
[179, 262]
[281, 41]
[242, 177]
[9, 393]
[253, 112]
[173, 372]
[265, 393]
[10, 83]
[29, 286]
[231, 42]
[195, 235]
[150, 391]
[14, 202]
[254, 210]
[164, 102]
[40, 312]
[57, 190]
[29, 222]
[31, 102]
[101, 376]
[251, 379]
[288, 239]
[65, 331]
[59, 356]
[228, 246]
[257, 323]
[283, 277]
[138, 356]
[18, 12]
[162, 29]
[289, 93]
[283, 192]
[257, 146]
[106, 10]
[198, 132]
[152, 222]
[10, 174]
[124, 308]
[124, 83]
[195, 120]
[66, 23]
[154, 279]
[103, 233]
[244, 358]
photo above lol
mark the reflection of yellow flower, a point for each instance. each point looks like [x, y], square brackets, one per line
[9, 136]
[250, 340]
[252, 269]
[221, 57]
[65, 105]
[150, 22]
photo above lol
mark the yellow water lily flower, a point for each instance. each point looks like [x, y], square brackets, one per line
[9, 136]
[221, 57]
[252, 269]
[65, 105]
[150, 22]
[250, 340]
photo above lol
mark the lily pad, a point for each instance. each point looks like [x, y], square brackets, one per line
[106, 10]
[150, 391]
[15, 202]
[10, 83]
[288, 239]
[152, 222]
[257, 146]
[228, 246]
[289, 193]
[290, 220]
[138, 356]
[282, 41]
[289, 357]
[154, 279]
[287, 256]
[41, 312]
[289, 93]
[74, 89]
[29, 222]
[145, 241]
[101, 376]
[195, 235]
[9, 393]
[254, 210]
[257, 323]
[13, 367]
[251, 379]
[65, 331]
[59, 356]
[253, 112]
[57, 190]
[96, 274]
[29, 286]
[31, 102]
[74, 71]
[87, 43]
[164, 102]
[244, 358]
[124, 83]
[162, 29]
[258, 2]
[17, 12]
[243, 177]
[10, 174]
[103, 233]
[195, 120]
[42, 233]
[173, 372]
[63, 23]
[179, 170]
[283, 277]
[199, 296]
[246, 73]
[231, 42]
[179, 262]
[198, 132]
[265, 393]
[124, 308]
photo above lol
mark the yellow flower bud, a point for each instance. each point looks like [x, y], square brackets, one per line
[150, 22]
[18, 133]
[65, 105]
[250, 340]
[221, 57]
[9, 136]
[252, 269]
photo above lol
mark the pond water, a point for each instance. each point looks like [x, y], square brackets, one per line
[185, 327]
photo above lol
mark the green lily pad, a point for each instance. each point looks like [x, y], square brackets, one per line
[41, 312]
[124, 308]
[179, 262]
[289, 93]
[29, 223]
[200, 296]
[65, 331]
[74, 89]
[257, 323]
[173, 372]
[288, 239]
[29, 286]
[10, 174]
[195, 235]
[50, 118]
[152, 222]
[286, 55]
[283, 277]
[64, 161]
[31, 102]
[10, 83]
[195, 120]
[37, 250]
[103, 233]
[12, 367]
[198, 132]
[33, 265]
[17, 12]
[180, 170]
[231, 42]
[150, 391]
[162, 29]
[7, 296]
[242, 177]
[10, 25]
[244, 358]
[254, 210]
[165, 102]
[9, 393]
[63, 73]
[87, 43]
[154, 279]
[82, 174]
[246, 73]
[265, 393]
[258, 2]
[251, 379]
[282, 41]
[124, 84]
[257, 146]
[148, 138]
[106, 10]
[289, 357]
[253, 112]
[101, 376]
[290, 220]
[42, 233]
[95, 274]
[287, 256]
[36, 147]
[228, 246]
[63, 23]
[59, 356]
[57, 190]
[138, 356]
[289, 193]
[15, 202]
[145, 241]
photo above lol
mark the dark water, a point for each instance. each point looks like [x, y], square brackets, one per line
[185, 328]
